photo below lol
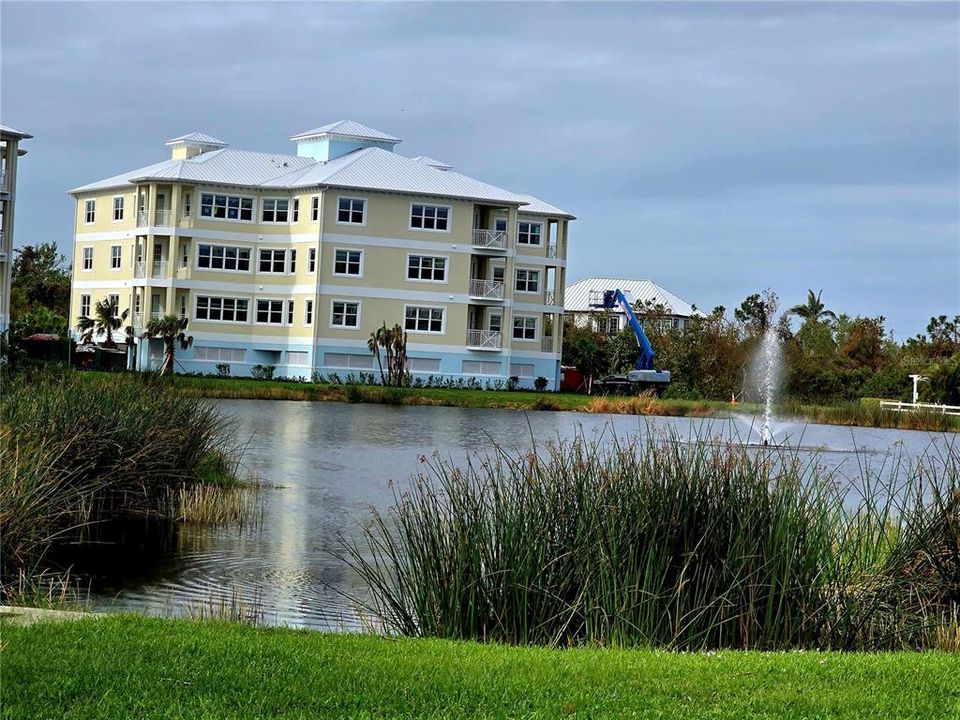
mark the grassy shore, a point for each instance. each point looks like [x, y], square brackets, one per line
[128, 666]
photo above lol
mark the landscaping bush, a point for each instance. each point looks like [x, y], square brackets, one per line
[263, 372]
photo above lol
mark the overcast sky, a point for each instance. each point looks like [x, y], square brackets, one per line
[717, 149]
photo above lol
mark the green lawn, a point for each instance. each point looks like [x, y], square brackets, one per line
[134, 667]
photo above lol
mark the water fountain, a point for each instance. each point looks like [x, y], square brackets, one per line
[767, 365]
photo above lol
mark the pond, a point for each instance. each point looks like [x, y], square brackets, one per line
[325, 464]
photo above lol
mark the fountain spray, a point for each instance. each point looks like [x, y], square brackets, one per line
[768, 364]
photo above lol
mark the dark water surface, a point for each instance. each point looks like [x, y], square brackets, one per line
[331, 461]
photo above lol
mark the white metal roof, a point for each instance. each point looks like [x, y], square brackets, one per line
[347, 128]
[7, 130]
[197, 138]
[430, 162]
[576, 297]
[536, 206]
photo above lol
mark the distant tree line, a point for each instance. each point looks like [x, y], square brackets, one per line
[829, 358]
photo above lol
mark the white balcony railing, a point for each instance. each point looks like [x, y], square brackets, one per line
[161, 217]
[551, 250]
[156, 314]
[490, 239]
[139, 269]
[3, 181]
[483, 340]
[143, 218]
[486, 289]
[546, 344]
[183, 272]
[137, 321]
[159, 268]
[550, 298]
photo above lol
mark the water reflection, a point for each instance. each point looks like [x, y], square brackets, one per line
[330, 462]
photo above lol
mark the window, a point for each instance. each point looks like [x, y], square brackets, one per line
[426, 267]
[297, 357]
[290, 312]
[117, 209]
[529, 233]
[115, 257]
[348, 262]
[85, 305]
[308, 313]
[524, 327]
[183, 306]
[423, 319]
[609, 325]
[221, 309]
[293, 261]
[270, 312]
[275, 211]
[88, 258]
[272, 261]
[223, 257]
[314, 208]
[495, 323]
[344, 314]
[218, 354]
[352, 362]
[115, 301]
[296, 209]
[226, 207]
[480, 367]
[424, 365]
[528, 281]
[429, 217]
[350, 211]
[186, 205]
[312, 260]
[89, 211]
[521, 370]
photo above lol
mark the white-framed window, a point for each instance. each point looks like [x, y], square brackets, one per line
[205, 353]
[609, 325]
[118, 208]
[269, 312]
[293, 261]
[88, 258]
[308, 312]
[423, 319]
[183, 306]
[428, 268]
[524, 327]
[521, 370]
[290, 312]
[430, 217]
[297, 357]
[116, 255]
[223, 257]
[348, 262]
[348, 361]
[344, 314]
[85, 305]
[221, 309]
[272, 261]
[528, 281]
[351, 211]
[529, 233]
[275, 210]
[315, 208]
[312, 260]
[424, 365]
[187, 204]
[480, 367]
[295, 214]
[115, 301]
[89, 211]
[226, 207]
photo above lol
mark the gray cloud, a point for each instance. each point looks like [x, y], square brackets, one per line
[717, 148]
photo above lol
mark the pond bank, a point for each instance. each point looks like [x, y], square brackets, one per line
[154, 668]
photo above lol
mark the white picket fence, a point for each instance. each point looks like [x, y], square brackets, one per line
[926, 407]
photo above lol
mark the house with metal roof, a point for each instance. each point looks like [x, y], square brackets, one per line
[643, 295]
[293, 260]
[10, 154]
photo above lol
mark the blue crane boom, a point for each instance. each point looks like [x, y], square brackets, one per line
[612, 298]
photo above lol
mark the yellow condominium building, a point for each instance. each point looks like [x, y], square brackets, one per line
[294, 260]
[10, 152]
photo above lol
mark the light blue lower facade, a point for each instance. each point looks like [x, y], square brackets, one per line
[486, 369]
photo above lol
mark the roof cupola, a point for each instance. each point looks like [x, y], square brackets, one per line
[187, 146]
[334, 140]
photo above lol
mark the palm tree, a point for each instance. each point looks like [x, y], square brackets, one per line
[376, 339]
[107, 319]
[172, 329]
[814, 309]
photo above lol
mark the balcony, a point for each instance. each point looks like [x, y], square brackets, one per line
[139, 269]
[159, 269]
[550, 298]
[137, 322]
[160, 217]
[490, 239]
[551, 250]
[3, 181]
[483, 340]
[486, 289]
[546, 344]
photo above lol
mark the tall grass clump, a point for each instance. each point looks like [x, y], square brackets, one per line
[77, 451]
[663, 542]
